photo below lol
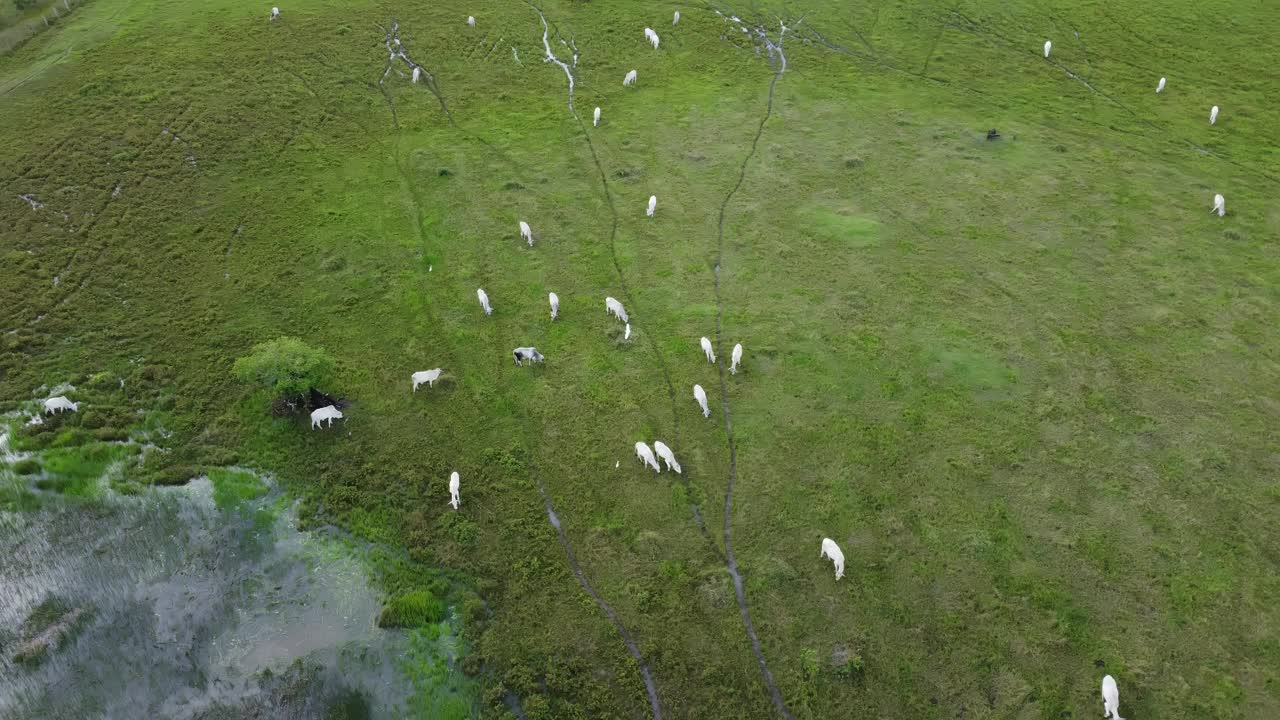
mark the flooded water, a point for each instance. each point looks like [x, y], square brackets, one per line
[193, 602]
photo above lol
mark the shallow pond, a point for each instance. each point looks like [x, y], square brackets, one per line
[203, 601]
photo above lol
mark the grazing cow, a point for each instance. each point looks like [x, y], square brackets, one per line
[676, 19]
[831, 550]
[667, 456]
[701, 396]
[56, 405]
[484, 301]
[526, 233]
[454, 484]
[646, 456]
[416, 72]
[1110, 698]
[326, 414]
[737, 358]
[613, 307]
[527, 353]
[1213, 115]
[275, 13]
[471, 21]
[652, 37]
[1048, 45]
[555, 304]
[653, 205]
[426, 376]
[596, 121]
[630, 79]
[706, 348]
[1219, 205]
[626, 334]
[1160, 86]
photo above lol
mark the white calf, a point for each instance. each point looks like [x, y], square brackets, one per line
[1219, 205]
[646, 456]
[426, 376]
[596, 121]
[1047, 47]
[676, 18]
[1110, 699]
[626, 334]
[526, 233]
[701, 396]
[737, 358]
[275, 13]
[1160, 86]
[653, 205]
[706, 348]
[630, 79]
[60, 403]
[416, 72]
[527, 353]
[555, 304]
[471, 21]
[831, 550]
[454, 484]
[667, 456]
[484, 301]
[1213, 115]
[613, 307]
[326, 414]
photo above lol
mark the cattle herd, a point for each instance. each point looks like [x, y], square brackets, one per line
[829, 549]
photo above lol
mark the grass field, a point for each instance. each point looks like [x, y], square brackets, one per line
[1028, 385]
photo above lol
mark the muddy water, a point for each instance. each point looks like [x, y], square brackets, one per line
[169, 606]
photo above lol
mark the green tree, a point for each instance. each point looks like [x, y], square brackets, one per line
[286, 366]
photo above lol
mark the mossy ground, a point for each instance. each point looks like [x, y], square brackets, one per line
[1028, 385]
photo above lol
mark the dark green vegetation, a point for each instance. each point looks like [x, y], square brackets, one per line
[1028, 385]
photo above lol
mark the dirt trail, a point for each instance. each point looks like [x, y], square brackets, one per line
[780, 66]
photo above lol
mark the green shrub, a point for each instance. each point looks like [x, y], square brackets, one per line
[28, 466]
[411, 609]
[287, 367]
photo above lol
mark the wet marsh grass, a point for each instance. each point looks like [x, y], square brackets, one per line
[1023, 383]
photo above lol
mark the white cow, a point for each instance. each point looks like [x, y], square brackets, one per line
[701, 396]
[676, 19]
[526, 233]
[596, 121]
[416, 72]
[555, 304]
[275, 13]
[613, 307]
[652, 37]
[1219, 205]
[1048, 45]
[831, 550]
[426, 376]
[1160, 86]
[706, 348]
[484, 301]
[630, 79]
[653, 205]
[626, 334]
[667, 456]
[328, 414]
[454, 484]
[58, 404]
[737, 358]
[527, 353]
[471, 21]
[646, 456]
[1110, 699]
[1213, 115]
